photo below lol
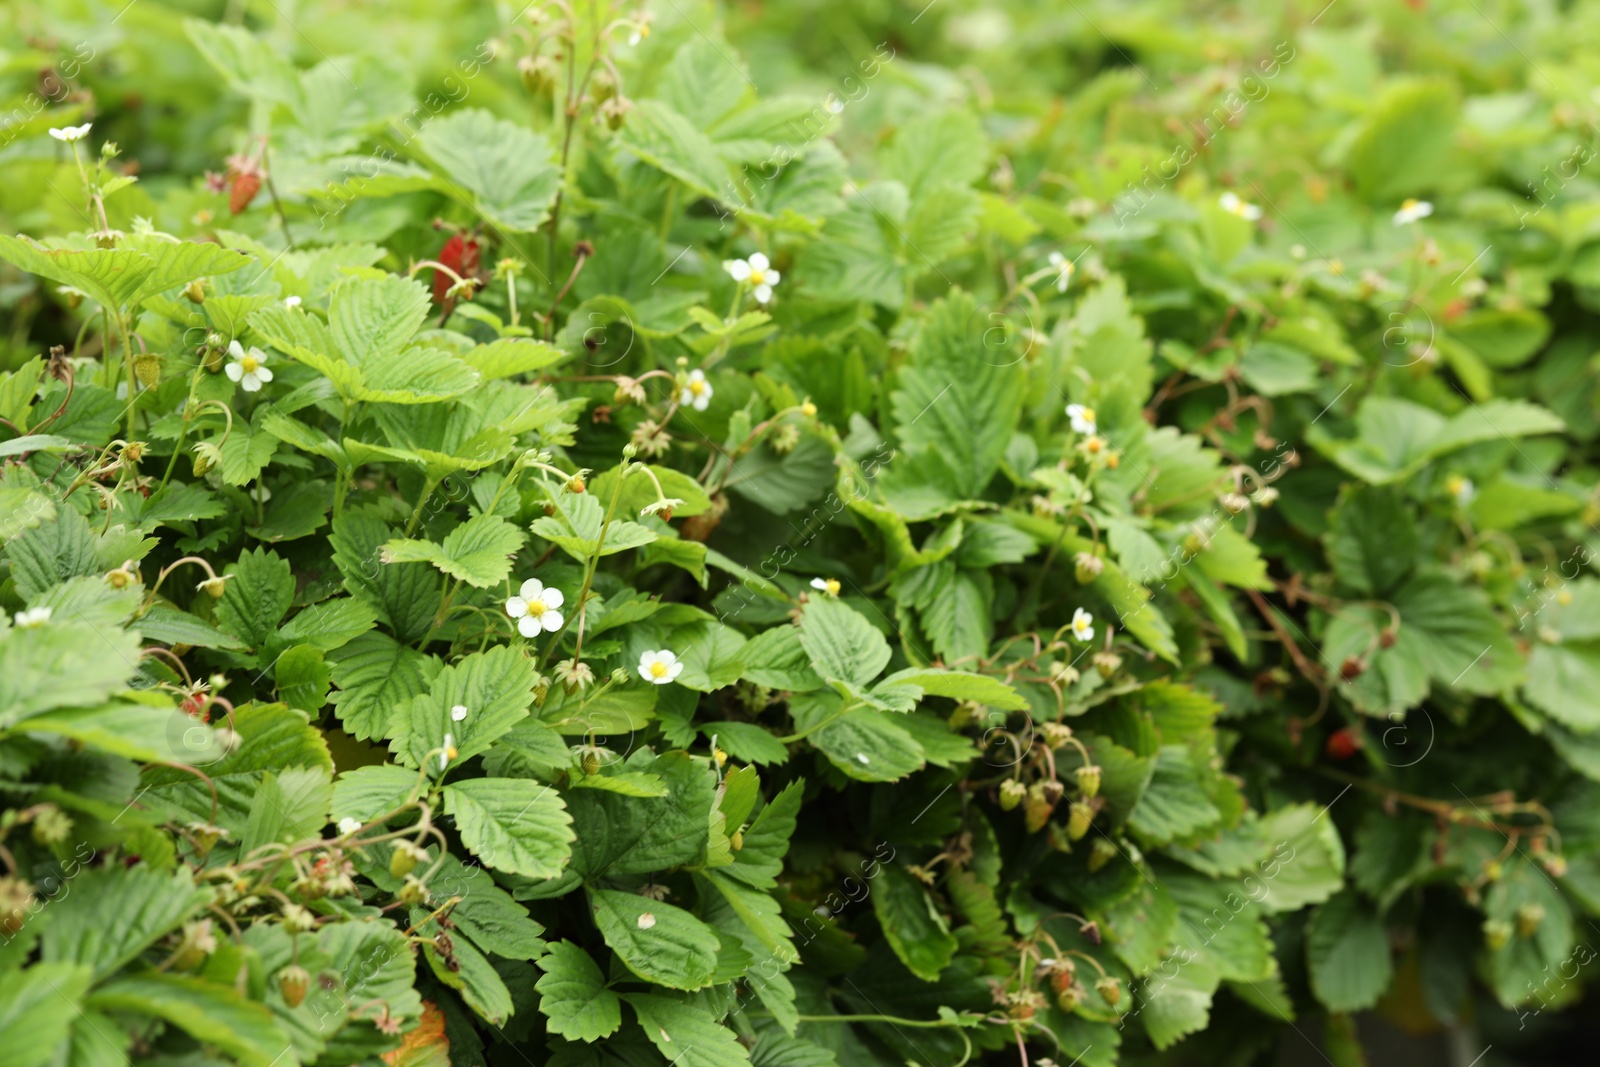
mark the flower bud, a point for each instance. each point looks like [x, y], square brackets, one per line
[1088, 781]
[1055, 734]
[1087, 567]
[1011, 794]
[196, 291]
[297, 920]
[1529, 916]
[215, 586]
[736, 842]
[808, 409]
[1496, 934]
[615, 111]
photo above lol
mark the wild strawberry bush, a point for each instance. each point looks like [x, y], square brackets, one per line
[521, 546]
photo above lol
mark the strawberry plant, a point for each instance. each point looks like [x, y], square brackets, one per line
[578, 535]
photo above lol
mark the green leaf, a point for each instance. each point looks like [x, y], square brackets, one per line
[960, 685]
[174, 627]
[37, 1009]
[711, 656]
[868, 745]
[377, 679]
[214, 1014]
[916, 931]
[406, 597]
[259, 591]
[511, 357]
[1176, 805]
[150, 730]
[501, 169]
[271, 738]
[477, 552]
[573, 995]
[1404, 146]
[50, 552]
[512, 824]
[146, 904]
[943, 148]
[684, 1033]
[658, 942]
[956, 398]
[496, 688]
[1373, 542]
[842, 644]
[577, 524]
[776, 658]
[61, 664]
[1347, 950]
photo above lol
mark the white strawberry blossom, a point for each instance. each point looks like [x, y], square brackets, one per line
[449, 752]
[71, 133]
[535, 609]
[696, 391]
[1082, 625]
[33, 617]
[347, 826]
[1412, 211]
[1083, 420]
[830, 586]
[1234, 205]
[247, 368]
[458, 713]
[1064, 269]
[659, 667]
[757, 270]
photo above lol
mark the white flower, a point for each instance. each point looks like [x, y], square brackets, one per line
[659, 667]
[458, 713]
[1083, 420]
[1082, 625]
[1233, 205]
[247, 368]
[449, 752]
[33, 617]
[1064, 268]
[696, 391]
[347, 825]
[1412, 211]
[641, 30]
[1461, 489]
[535, 610]
[71, 133]
[646, 920]
[863, 758]
[830, 586]
[757, 270]
[291, 301]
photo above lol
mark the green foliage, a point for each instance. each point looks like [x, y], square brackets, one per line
[587, 539]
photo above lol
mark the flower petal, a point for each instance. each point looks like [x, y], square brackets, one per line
[763, 293]
[667, 657]
[551, 620]
[772, 278]
[516, 607]
[553, 598]
[528, 626]
[673, 671]
[531, 589]
[235, 349]
[233, 371]
[739, 269]
[263, 373]
[251, 383]
[759, 261]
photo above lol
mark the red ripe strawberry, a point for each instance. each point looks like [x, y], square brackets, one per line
[1342, 744]
[461, 256]
[242, 188]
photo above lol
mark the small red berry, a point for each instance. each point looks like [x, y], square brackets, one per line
[1344, 743]
[461, 256]
[242, 189]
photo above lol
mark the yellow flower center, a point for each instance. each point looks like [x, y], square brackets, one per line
[758, 277]
[249, 364]
[644, 30]
[536, 608]
[833, 586]
[658, 669]
[1080, 625]
[1088, 415]
[1409, 205]
[698, 388]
